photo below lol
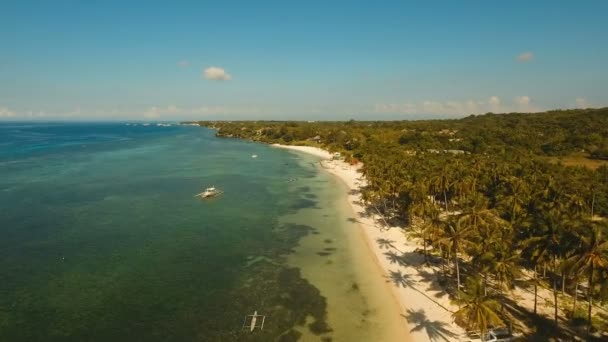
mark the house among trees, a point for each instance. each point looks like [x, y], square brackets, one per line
[447, 132]
[316, 138]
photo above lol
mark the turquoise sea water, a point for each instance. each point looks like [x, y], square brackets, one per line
[101, 238]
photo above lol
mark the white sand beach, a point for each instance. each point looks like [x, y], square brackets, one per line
[425, 307]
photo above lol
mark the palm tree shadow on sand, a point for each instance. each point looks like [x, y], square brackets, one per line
[394, 258]
[386, 243]
[435, 330]
[401, 279]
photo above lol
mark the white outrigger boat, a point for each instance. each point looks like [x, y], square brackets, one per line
[209, 193]
[251, 322]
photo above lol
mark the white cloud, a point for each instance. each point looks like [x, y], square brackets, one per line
[6, 113]
[525, 57]
[155, 112]
[455, 106]
[216, 74]
[152, 113]
[230, 110]
[432, 107]
[458, 108]
[183, 63]
[581, 102]
[524, 104]
[523, 101]
[471, 106]
[494, 104]
[405, 108]
[173, 109]
[30, 114]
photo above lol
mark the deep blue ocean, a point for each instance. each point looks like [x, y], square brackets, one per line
[101, 238]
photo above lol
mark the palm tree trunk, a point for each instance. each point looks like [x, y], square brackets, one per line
[442, 261]
[535, 289]
[590, 295]
[563, 282]
[426, 257]
[386, 225]
[555, 299]
[555, 288]
[575, 298]
[457, 276]
[592, 205]
[502, 303]
[448, 261]
[445, 198]
[384, 204]
[485, 284]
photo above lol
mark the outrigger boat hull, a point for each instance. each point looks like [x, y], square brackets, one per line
[208, 193]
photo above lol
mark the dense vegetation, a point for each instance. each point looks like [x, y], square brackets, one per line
[551, 133]
[478, 193]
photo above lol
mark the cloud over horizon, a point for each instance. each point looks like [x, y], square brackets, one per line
[522, 100]
[6, 113]
[427, 109]
[216, 74]
[581, 102]
[460, 108]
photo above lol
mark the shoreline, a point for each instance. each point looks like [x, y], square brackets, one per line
[424, 306]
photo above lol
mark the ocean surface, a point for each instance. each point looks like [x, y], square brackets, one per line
[101, 239]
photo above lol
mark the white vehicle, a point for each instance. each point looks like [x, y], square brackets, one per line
[493, 335]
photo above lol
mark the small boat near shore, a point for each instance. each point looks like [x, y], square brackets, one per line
[209, 193]
[252, 321]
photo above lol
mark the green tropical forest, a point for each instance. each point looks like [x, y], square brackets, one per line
[498, 200]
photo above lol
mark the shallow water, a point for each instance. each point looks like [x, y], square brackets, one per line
[101, 239]
[337, 260]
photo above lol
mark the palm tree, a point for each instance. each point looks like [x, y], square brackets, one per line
[477, 214]
[427, 228]
[544, 246]
[552, 231]
[457, 238]
[442, 182]
[505, 266]
[478, 310]
[486, 225]
[593, 257]
[514, 199]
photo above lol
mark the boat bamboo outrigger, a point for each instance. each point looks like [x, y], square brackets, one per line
[251, 321]
[209, 192]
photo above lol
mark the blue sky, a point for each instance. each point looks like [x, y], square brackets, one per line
[314, 60]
